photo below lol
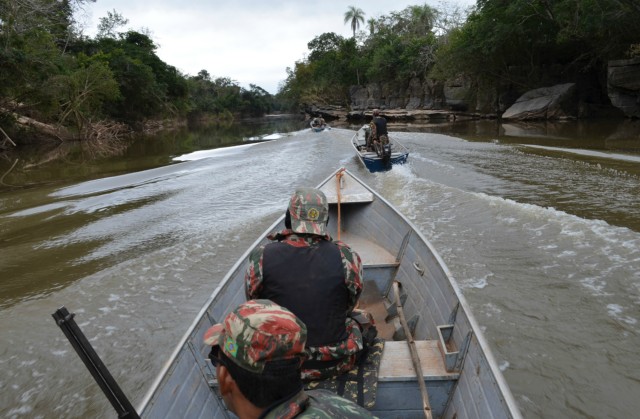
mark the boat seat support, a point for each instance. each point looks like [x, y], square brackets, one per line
[392, 310]
[452, 355]
[412, 323]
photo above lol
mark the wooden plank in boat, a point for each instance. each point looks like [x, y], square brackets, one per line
[370, 253]
[396, 362]
[351, 191]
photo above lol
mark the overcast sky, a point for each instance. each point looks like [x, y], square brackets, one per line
[249, 41]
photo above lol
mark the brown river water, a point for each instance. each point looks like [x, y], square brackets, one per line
[538, 223]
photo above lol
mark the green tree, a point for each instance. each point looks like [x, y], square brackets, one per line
[257, 101]
[402, 47]
[324, 44]
[355, 17]
[82, 92]
[33, 39]
[108, 25]
[399, 47]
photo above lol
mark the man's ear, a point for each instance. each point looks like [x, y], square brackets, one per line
[225, 381]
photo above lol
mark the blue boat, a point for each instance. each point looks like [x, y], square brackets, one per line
[381, 160]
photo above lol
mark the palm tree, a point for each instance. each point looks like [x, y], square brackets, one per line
[356, 16]
[423, 18]
[372, 26]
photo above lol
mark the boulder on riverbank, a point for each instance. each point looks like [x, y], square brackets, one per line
[555, 102]
[623, 83]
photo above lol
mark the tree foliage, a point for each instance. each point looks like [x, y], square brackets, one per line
[531, 35]
[524, 43]
[82, 92]
[399, 46]
[50, 71]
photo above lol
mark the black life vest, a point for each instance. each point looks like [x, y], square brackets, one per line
[310, 282]
[381, 126]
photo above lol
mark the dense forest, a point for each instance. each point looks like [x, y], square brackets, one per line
[68, 85]
[59, 82]
[521, 44]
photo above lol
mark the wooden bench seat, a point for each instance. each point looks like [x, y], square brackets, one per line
[398, 394]
[396, 362]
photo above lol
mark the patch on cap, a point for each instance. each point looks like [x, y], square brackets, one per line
[309, 211]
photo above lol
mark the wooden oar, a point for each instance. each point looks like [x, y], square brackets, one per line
[415, 359]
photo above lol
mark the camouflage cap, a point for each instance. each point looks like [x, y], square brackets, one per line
[309, 211]
[257, 332]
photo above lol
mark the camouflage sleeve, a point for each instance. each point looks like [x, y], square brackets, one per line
[325, 404]
[353, 275]
[253, 275]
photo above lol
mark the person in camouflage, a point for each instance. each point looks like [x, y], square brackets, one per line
[258, 351]
[379, 128]
[317, 278]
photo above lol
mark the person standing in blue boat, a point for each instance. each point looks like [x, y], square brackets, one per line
[379, 128]
[258, 351]
[318, 279]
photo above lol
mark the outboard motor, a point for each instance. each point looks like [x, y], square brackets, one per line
[386, 154]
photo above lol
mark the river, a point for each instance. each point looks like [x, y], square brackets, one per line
[539, 224]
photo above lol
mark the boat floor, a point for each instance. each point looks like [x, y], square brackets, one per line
[372, 301]
[370, 253]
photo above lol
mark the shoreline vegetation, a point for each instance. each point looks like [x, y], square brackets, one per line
[57, 84]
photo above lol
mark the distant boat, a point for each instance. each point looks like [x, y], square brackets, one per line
[444, 345]
[317, 125]
[382, 159]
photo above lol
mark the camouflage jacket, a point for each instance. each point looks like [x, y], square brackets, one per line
[345, 350]
[316, 404]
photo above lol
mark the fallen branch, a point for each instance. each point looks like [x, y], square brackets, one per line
[7, 172]
[6, 138]
[46, 129]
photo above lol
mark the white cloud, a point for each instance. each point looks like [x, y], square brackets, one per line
[249, 41]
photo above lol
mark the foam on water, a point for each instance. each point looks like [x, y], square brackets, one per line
[616, 311]
[217, 152]
[590, 153]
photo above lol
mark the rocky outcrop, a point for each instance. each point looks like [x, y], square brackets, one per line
[459, 98]
[417, 101]
[555, 102]
[417, 115]
[414, 96]
[623, 85]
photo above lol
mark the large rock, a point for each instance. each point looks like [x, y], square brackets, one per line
[623, 86]
[555, 102]
[415, 96]
[359, 97]
[456, 94]
[415, 93]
